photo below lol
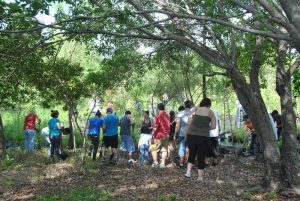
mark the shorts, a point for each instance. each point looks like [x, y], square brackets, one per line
[110, 141]
[127, 143]
[160, 145]
[181, 146]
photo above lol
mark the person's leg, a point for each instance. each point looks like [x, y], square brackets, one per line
[95, 142]
[252, 144]
[129, 155]
[154, 149]
[201, 155]
[114, 147]
[278, 133]
[26, 140]
[202, 151]
[130, 147]
[147, 154]
[123, 148]
[154, 156]
[142, 155]
[52, 147]
[164, 151]
[171, 150]
[31, 140]
[105, 146]
[57, 146]
[191, 158]
[181, 150]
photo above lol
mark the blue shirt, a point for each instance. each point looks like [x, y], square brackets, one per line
[111, 122]
[53, 128]
[95, 125]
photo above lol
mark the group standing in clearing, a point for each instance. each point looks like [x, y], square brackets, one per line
[193, 133]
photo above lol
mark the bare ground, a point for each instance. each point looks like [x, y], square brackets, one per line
[233, 179]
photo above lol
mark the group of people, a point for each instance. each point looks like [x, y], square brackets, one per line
[195, 129]
[52, 133]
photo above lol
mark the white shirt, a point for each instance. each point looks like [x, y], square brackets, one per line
[215, 132]
[183, 116]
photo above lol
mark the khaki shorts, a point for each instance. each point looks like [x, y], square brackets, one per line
[160, 145]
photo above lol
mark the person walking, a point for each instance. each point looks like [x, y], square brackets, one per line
[145, 139]
[54, 133]
[160, 138]
[278, 120]
[201, 121]
[213, 138]
[172, 134]
[110, 130]
[29, 130]
[127, 144]
[94, 126]
[181, 122]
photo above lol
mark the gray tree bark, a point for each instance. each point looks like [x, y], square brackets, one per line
[290, 157]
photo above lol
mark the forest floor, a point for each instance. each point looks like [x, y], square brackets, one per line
[32, 177]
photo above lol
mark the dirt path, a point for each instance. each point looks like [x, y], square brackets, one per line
[233, 179]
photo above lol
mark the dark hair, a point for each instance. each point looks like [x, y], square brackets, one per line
[160, 106]
[181, 107]
[98, 113]
[275, 112]
[147, 112]
[109, 110]
[245, 117]
[54, 113]
[127, 112]
[206, 102]
[188, 104]
[172, 115]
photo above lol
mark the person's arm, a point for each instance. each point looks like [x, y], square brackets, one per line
[37, 119]
[104, 126]
[177, 127]
[212, 120]
[155, 125]
[188, 125]
[59, 125]
[139, 143]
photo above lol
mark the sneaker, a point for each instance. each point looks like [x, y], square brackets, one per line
[130, 161]
[155, 165]
[188, 175]
[162, 165]
[200, 178]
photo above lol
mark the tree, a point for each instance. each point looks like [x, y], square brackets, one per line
[200, 27]
[284, 72]
[62, 82]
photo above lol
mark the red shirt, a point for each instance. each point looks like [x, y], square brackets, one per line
[29, 123]
[162, 125]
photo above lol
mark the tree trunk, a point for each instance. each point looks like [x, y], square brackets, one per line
[254, 105]
[71, 137]
[204, 86]
[289, 154]
[2, 138]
